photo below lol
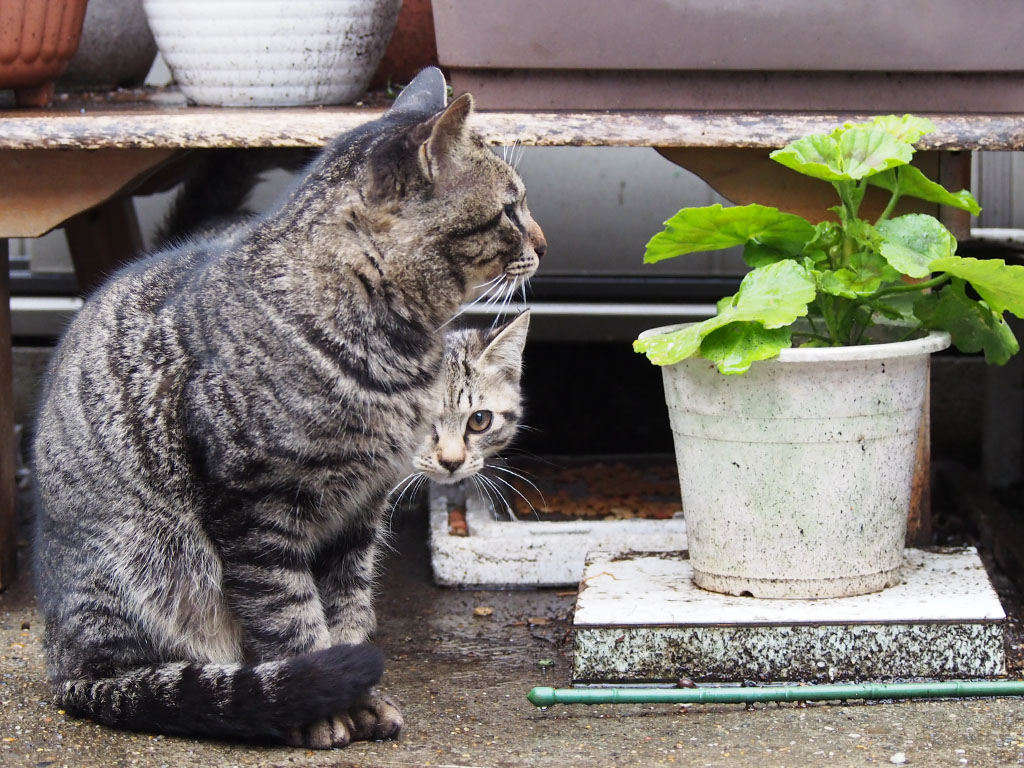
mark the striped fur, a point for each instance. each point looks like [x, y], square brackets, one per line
[221, 426]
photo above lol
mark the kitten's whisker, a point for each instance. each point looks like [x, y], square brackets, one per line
[403, 481]
[533, 456]
[524, 478]
[485, 494]
[501, 497]
[519, 493]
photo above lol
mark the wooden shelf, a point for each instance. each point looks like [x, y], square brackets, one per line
[160, 119]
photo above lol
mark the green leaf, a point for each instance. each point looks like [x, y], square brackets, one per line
[761, 255]
[849, 284]
[848, 154]
[774, 296]
[913, 242]
[867, 150]
[1001, 285]
[816, 155]
[906, 128]
[713, 227]
[909, 180]
[669, 348]
[735, 346]
[973, 326]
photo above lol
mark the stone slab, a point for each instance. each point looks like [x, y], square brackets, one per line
[530, 553]
[639, 619]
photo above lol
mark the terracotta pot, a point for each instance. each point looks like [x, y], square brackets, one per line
[412, 46]
[37, 40]
[873, 56]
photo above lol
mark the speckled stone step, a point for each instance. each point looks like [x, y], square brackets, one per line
[640, 619]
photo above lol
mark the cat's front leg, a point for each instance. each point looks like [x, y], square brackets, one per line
[272, 590]
[346, 573]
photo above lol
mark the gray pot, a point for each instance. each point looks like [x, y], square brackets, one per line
[117, 48]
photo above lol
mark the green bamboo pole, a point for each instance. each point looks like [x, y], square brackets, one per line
[545, 697]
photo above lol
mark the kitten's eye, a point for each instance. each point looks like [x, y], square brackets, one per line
[479, 421]
[510, 210]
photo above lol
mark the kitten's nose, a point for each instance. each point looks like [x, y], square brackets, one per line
[451, 464]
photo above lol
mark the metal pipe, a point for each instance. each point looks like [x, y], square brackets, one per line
[543, 696]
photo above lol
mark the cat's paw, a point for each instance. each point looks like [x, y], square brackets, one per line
[322, 734]
[375, 717]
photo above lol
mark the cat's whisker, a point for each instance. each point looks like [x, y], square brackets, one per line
[465, 307]
[495, 292]
[490, 282]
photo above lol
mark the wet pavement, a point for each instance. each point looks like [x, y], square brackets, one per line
[462, 675]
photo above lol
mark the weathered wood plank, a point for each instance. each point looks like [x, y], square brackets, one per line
[124, 126]
[39, 189]
[8, 524]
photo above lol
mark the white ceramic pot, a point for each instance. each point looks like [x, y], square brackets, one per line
[246, 53]
[796, 476]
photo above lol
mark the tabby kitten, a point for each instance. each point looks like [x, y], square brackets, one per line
[481, 403]
[223, 421]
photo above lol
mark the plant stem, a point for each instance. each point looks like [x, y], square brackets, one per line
[909, 287]
[893, 199]
[889, 207]
[812, 335]
[826, 313]
[910, 332]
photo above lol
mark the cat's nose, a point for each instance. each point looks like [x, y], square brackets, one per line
[537, 239]
[451, 464]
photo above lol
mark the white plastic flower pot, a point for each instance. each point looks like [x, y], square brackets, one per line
[796, 476]
[246, 53]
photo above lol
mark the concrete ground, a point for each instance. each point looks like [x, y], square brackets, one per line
[462, 680]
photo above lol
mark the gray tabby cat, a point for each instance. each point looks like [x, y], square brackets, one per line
[481, 403]
[222, 424]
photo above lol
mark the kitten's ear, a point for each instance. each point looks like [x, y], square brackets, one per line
[505, 345]
[447, 131]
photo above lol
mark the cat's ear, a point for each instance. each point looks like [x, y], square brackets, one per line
[441, 136]
[505, 345]
[427, 93]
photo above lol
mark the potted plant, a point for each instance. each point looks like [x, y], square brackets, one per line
[796, 475]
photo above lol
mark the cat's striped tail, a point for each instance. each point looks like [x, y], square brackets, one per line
[233, 701]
